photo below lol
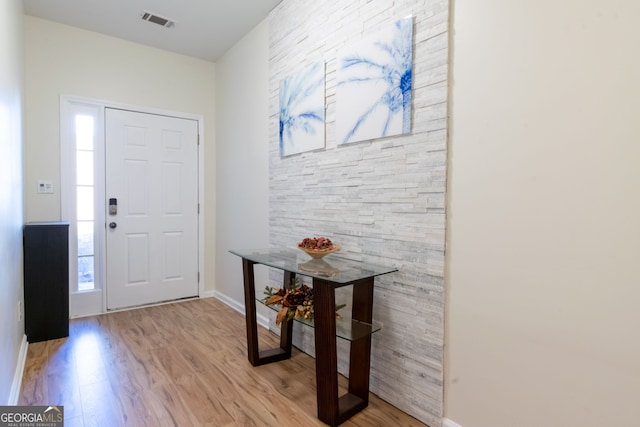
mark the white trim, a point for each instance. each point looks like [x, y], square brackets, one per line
[201, 213]
[446, 422]
[263, 321]
[65, 102]
[155, 304]
[131, 107]
[16, 385]
[89, 302]
[85, 303]
[240, 308]
[208, 294]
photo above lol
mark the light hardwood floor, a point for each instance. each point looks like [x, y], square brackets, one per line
[181, 364]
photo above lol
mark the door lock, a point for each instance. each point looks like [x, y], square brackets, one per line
[113, 206]
[112, 225]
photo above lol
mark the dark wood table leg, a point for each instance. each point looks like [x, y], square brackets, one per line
[255, 356]
[324, 307]
[360, 355]
[332, 409]
[250, 311]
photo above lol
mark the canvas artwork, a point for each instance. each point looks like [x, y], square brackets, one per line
[373, 94]
[302, 111]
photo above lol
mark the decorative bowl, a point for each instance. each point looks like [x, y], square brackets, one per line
[319, 253]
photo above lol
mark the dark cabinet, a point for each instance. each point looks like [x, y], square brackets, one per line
[46, 280]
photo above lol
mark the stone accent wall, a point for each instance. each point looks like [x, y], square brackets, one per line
[383, 201]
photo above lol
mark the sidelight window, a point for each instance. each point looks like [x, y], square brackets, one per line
[85, 220]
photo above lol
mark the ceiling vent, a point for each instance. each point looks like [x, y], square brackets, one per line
[151, 17]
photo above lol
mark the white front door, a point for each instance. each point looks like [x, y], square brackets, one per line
[152, 208]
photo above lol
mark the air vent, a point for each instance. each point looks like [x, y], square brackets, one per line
[151, 17]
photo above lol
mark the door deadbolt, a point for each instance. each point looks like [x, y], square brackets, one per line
[113, 206]
[112, 225]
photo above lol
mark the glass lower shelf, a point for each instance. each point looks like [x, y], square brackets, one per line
[348, 329]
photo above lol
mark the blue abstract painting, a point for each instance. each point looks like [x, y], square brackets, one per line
[302, 111]
[373, 94]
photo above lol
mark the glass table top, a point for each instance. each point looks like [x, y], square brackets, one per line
[331, 268]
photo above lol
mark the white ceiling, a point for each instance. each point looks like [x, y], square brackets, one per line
[204, 29]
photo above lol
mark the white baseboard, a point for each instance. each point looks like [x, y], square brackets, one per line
[207, 294]
[14, 395]
[446, 422]
[262, 320]
[239, 307]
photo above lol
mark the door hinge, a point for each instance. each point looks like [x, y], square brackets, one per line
[198, 139]
[198, 208]
[198, 277]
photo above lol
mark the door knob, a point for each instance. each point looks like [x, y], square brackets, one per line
[112, 225]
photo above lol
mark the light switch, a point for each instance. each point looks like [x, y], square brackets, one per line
[45, 187]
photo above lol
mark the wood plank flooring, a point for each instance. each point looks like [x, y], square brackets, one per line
[181, 364]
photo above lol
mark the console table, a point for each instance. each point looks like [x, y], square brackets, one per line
[327, 275]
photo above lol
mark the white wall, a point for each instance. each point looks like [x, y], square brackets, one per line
[70, 61]
[11, 197]
[544, 215]
[242, 141]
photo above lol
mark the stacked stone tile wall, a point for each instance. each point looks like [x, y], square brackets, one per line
[383, 200]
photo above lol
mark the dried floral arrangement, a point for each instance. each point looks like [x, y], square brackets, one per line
[316, 243]
[296, 301]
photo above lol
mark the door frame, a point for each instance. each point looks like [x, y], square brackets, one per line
[87, 303]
